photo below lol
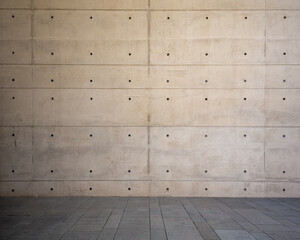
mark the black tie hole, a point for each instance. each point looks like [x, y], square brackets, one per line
[205, 99]
[129, 189]
[91, 17]
[129, 80]
[52, 98]
[91, 189]
[91, 98]
[91, 53]
[206, 81]
[52, 17]
[13, 190]
[245, 135]
[205, 171]
[52, 135]
[51, 189]
[13, 134]
[12, 171]
[129, 135]
[167, 135]
[129, 54]
[245, 80]
[91, 135]
[168, 81]
[13, 16]
[129, 99]
[52, 80]
[168, 99]
[129, 18]
[283, 136]
[283, 99]
[167, 171]
[206, 17]
[167, 189]
[51, 171]
[168, 54]
[13, 80]
[283, 171]
[206, 189]
[13, 97]
[13, 52]
[284, 53]
[52, 53]
[129, 170]
[245, 189]
[168, 18]
[283, 189]
[245, 99]
[246, 17]
[245, 53]
[284, 17]
[206, 54]
[245, 171]
[91, 171]
[91, 80]
[205, 135]
[284, 80]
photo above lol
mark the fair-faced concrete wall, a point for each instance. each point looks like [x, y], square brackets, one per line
[150, 98]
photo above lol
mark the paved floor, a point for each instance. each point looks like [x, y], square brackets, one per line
[149, 218]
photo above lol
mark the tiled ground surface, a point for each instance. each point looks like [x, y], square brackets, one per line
[149, 218]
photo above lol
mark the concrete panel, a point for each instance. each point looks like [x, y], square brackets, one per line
[91, 4]
[90, 188]
[282, 189]
[15, 153]
[15, 25]
[214, 51]
[207, 77]
[283, 25]
[207, 188]
[96, 108]
[15, 76]
[207, 153]
[15, 52]
[282, 76]
[282, 153]
[283, 52]
[90, 52]
[90, 25]
[87, 153]
[207, 25]
[15, 4]
[282, 107]
[207, 5]
[222, 107]
[286, 4]
[67, 76]
[16, 107]
[16, 189]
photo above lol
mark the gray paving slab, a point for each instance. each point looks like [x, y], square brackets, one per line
[256, 217]
[80, 236]
[107, 234]
[158, 234]
[113, 221]
[234, 235]
[149, 218]
[206, 231]
[261, 236]
[224, 224]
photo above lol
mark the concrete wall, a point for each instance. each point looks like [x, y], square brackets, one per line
[150, 98]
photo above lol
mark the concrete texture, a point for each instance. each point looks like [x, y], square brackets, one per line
[150, 98]
[149, 218]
